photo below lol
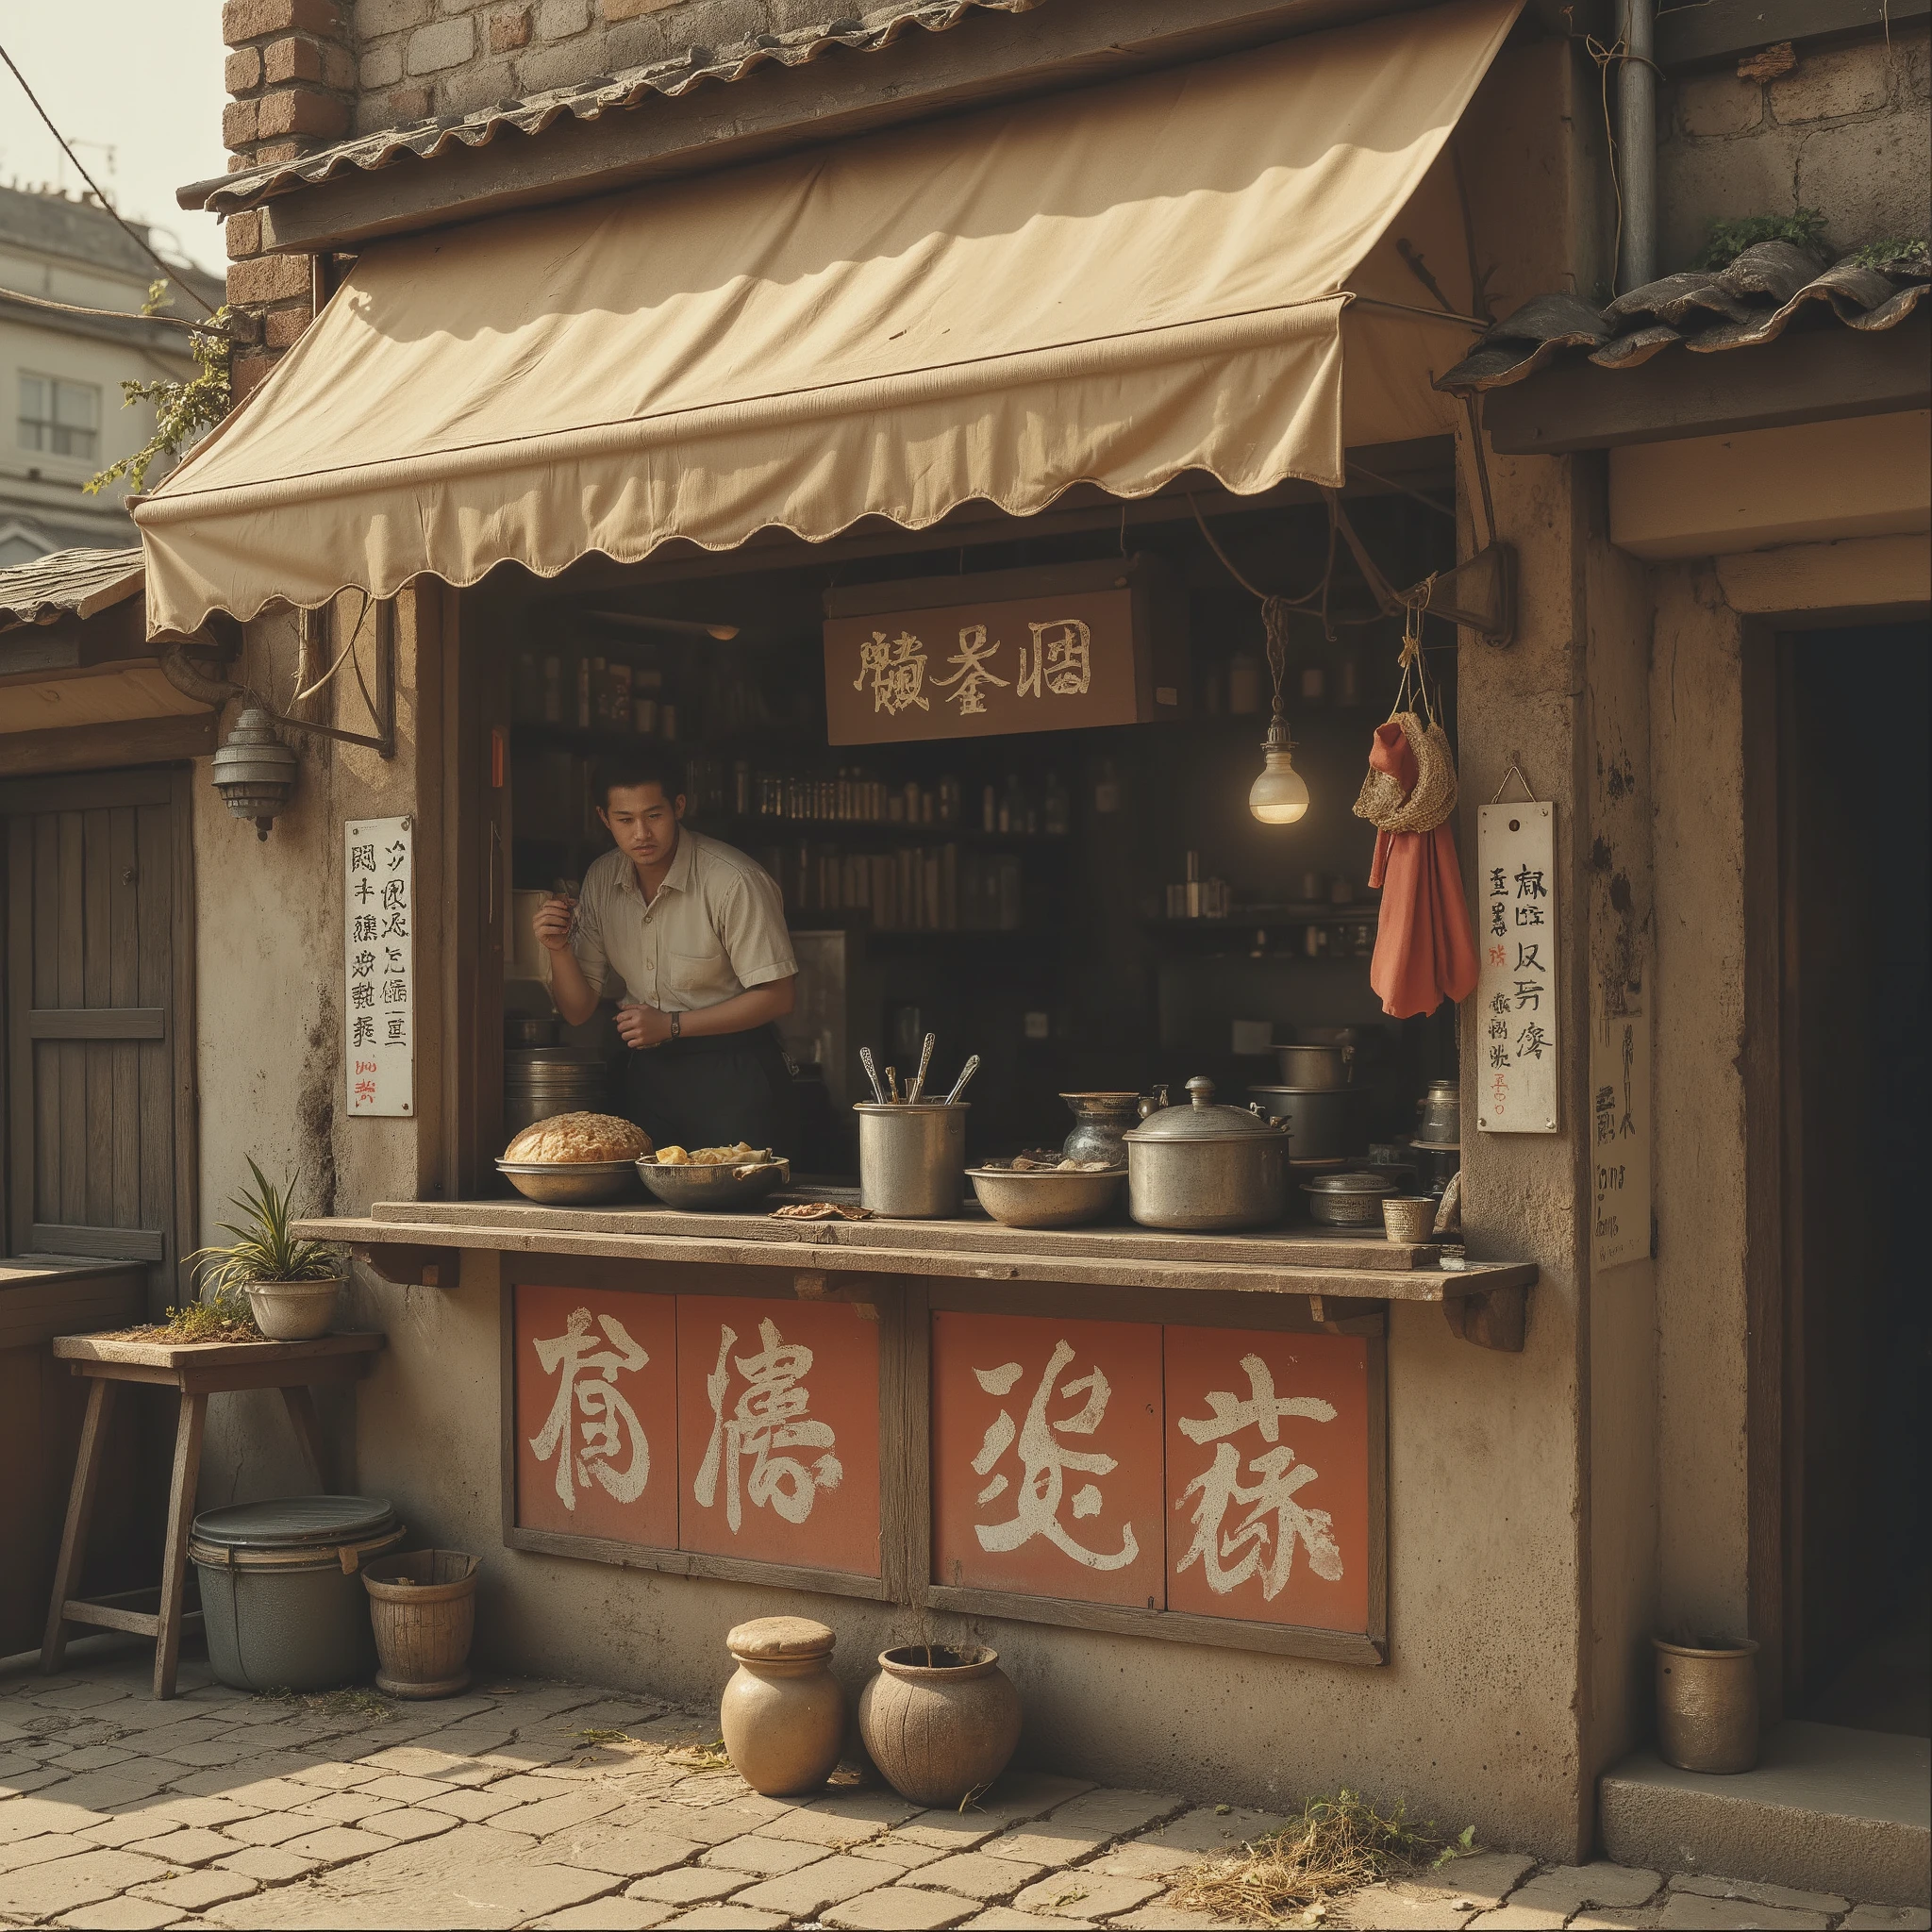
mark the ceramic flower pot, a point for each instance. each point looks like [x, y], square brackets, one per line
[1706, 1704]
[293, 1311]
[940, 1721]
[783, 1713]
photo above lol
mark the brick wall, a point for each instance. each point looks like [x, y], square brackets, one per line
[292, 87]
[1845, 130]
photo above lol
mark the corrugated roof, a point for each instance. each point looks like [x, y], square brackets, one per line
[68, 583]
[586, 100]
[1769, 288]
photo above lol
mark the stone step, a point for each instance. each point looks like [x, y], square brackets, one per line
[1826, 1809]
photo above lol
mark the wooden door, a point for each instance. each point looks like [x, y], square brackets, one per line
[98, 996]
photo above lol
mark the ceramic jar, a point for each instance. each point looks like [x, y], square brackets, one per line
[941, 1721]
[783, 1713]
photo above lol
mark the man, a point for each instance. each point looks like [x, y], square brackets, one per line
[697, 931]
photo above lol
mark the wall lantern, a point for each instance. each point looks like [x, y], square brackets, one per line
[254, 771]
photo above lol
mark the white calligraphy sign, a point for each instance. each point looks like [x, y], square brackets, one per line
[379, 965]
[1620, 1138]
[1516, 1026]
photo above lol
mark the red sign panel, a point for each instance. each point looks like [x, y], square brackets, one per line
[596, 1374]
[779, 1432]
[1046, 1457]
[1268, 1476]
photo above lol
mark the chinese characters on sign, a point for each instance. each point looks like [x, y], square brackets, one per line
[1046, 664]
[379, 959]
[595, 1380]
[1619, 1138]
[1517, 1029]
[745, 1429]
[779, 1432]
[1216, 1472]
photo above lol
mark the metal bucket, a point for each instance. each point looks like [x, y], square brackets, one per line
[1314, 1066]
[912, 1159]
[1706, 1704]
[282, 1604]
[1318, 1118]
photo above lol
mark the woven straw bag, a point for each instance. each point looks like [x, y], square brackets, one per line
[1381, 800]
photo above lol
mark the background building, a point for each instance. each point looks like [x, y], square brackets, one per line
[60, 375]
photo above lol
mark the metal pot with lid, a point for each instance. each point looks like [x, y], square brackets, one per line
[1206, 1167]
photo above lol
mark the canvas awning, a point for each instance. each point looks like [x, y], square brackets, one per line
[1111, 286]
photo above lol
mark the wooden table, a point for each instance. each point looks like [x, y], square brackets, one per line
[198, 1370]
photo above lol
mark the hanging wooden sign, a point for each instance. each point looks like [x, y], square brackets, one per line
[979, 656]
[1517, 1030]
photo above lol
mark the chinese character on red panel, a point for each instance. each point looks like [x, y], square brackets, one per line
[779, 1432]
[596, 1374]
[1046, 1457]
[1268, 1476]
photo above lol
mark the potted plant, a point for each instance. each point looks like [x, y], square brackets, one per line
[290, 1285]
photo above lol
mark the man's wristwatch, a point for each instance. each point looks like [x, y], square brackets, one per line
[677, 1025]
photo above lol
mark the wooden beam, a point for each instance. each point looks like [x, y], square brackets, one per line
[983, 59]
[1715, 31]
[126, 741]
[1807, 375]
[115, 636]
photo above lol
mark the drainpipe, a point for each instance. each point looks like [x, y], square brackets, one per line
[1637, 146]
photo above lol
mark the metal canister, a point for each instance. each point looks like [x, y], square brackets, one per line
[912, 1159]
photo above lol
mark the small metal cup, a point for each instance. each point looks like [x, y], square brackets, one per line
[912, 1159]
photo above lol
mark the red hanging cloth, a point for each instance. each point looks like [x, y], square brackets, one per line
[1425, 949]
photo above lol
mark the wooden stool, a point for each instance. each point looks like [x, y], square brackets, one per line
[198, 1370]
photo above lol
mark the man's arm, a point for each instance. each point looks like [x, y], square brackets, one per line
[756, 1007]
[575, 997]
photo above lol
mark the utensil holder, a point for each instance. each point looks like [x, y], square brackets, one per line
[912, 1159]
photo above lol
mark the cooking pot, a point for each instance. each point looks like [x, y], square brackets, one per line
[1317, 1117]
[1313, 1066]
[1202, 1166]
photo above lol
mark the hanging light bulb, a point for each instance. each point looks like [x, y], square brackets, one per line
[1280, 795]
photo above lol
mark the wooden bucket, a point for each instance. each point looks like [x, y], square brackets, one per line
[424, 1609]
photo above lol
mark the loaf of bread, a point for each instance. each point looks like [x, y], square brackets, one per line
[566, 1137]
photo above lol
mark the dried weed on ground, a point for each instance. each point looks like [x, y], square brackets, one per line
[1337, 1846]
[363, 1705]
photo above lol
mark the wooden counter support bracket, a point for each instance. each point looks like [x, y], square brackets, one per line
[1491, 1320]
[405, 1265]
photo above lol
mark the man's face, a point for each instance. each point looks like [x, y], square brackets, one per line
[643, 822]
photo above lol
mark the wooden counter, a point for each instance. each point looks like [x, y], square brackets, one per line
[421, 1242]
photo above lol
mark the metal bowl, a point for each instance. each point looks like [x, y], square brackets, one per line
[569, 1183]
[707, 1189]
[1047, 1197]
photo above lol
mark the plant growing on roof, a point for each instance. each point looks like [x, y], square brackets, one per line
[182, 409]
[1803, 227]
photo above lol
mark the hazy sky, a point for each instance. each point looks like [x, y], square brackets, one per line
[142, 77]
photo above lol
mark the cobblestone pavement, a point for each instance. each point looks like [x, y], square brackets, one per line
[562, 1806]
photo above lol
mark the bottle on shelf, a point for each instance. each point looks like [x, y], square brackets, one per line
[1056, 810]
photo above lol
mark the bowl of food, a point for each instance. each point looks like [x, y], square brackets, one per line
[707, 1179]
[575, 1159]
[1048, 1190]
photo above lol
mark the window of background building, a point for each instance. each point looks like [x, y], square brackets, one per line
[63, 418]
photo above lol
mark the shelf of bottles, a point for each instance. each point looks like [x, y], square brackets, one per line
[847, 844]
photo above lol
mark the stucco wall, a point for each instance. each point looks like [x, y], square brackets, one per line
[1697, 754]
[1845, 131]
[269, 986]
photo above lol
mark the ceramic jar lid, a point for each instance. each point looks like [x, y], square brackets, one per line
[1356, 1183]
[768, 1639]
